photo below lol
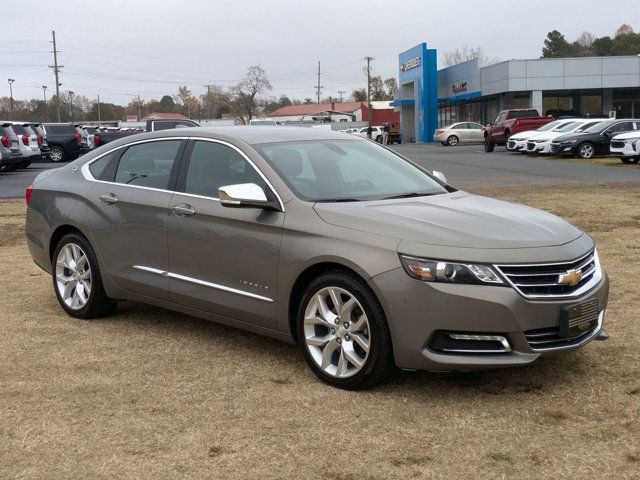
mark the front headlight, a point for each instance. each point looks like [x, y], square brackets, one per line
[572, 141]
[449, 272]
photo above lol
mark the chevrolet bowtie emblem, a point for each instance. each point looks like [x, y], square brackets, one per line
[571, 278]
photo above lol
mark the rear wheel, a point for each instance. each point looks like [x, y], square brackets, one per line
[76, 279]
[343, 332]
[586, 150]
[452, 141]
[57, 154]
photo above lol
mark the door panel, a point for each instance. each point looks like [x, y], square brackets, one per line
[222, 260]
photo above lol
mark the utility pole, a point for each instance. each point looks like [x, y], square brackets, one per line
[99, 118]
[340, 92]
[71, 105]
[368, 59]
[44, 93]
[139, 101]
[318, 87]
[208, 111]
[11, 80]
[56, 71]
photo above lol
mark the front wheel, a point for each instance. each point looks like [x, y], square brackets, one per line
[586, 150]
[488, 145]
[57, 154]
[343, 332]
[452, 141]
[630, 160]
[76, 279]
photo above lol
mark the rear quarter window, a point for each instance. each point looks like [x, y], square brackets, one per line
[61, 129]
[19, 129]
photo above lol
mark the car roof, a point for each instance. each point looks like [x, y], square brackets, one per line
[257, 134]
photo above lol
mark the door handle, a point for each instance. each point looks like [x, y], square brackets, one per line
[183, 209]
[108, 198]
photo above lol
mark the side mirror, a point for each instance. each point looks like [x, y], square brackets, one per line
[243, 195]
[440, 176]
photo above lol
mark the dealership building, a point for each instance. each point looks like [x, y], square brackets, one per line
[431, 98]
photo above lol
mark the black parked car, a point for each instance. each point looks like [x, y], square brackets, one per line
[592, 141]
[64, 141]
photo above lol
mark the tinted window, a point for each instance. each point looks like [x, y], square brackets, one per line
[60, 129]
[621, 127]
[19, 129]
[213, 165]
[475, 126]
[97, 167]
[148, 164]
[346, 170]
[164, 125]
[524, 114]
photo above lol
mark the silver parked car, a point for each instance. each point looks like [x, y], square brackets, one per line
[363, 258]
[461, 132]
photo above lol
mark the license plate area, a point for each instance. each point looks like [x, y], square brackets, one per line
[575, 320]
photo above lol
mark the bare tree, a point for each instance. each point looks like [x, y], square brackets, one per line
[465, 53]
[585, 40]
[243, 98]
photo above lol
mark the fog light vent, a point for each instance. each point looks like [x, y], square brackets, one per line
[455, 342]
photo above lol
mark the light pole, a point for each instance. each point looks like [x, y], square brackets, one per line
[44, 93]
[11, 80]
[71, 105]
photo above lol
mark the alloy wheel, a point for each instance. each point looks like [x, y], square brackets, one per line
[337, 332]
[452, 140]
[586, 150]
[56, 154]
[73, 276]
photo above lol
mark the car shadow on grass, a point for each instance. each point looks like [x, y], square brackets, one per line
[547, 375]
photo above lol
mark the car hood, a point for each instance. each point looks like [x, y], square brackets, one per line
[547, 135]
[524, 135]
[457, 219]
[627, 136]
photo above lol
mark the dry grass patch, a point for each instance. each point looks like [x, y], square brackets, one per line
[147, 393]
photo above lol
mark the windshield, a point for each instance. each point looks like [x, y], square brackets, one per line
[597, 128]
[549, 126]
[346, 170]
[568, 127]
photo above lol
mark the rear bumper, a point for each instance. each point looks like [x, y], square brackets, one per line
[11, 159]
[417, 312]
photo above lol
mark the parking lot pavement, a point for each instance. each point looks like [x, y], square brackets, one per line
[470, 166]
[13, 184]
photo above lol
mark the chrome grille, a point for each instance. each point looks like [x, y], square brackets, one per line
[545, 280]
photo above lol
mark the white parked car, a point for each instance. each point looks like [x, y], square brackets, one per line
[376, 134]
[518, 142]
[540, 144]
[461, 132]
[626, 147]
[268, 122]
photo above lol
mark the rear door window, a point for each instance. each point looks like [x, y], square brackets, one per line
[60, 129]
[98, 167]
[19, 129]
[148, 164]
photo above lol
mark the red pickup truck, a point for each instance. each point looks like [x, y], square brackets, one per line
[510, 122]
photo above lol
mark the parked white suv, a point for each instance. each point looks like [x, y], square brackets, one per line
[376, 133]
[540, 143]
[626, 147]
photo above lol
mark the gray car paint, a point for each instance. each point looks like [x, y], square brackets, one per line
[272, 250]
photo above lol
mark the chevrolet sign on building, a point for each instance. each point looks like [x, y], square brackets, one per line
[409, 64]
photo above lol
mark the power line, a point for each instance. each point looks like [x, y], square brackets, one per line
[56, 72]
[368, 59]
[318, 86]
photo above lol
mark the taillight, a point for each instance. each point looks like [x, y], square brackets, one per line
[76, 137]
[25, 139]
[5, 142]
[27, 194]
[439, 132]
[39, 139]
[96, 140]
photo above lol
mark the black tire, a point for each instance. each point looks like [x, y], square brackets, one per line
[453, 140]
[25, 164]
[379, 364]
[57, 154]
[629, 160]
[488, 145]
[586, 150]
[98, 304]
[445, 144]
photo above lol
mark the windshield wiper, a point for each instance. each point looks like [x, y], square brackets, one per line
[409, 195]
[342, 199]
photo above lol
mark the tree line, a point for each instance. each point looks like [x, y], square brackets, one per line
[245, 100]
[625, 41]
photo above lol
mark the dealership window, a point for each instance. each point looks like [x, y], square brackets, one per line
[521, 101]
[591, 104]
[556, 102]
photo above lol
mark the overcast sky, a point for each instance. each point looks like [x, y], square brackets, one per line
[121, 48]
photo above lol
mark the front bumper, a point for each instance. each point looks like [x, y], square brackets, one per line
[538, 148]
[417, 311]
[562, 149]
[517, 145]
[626, 151]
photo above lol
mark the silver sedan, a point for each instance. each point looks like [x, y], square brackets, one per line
[461, 132]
